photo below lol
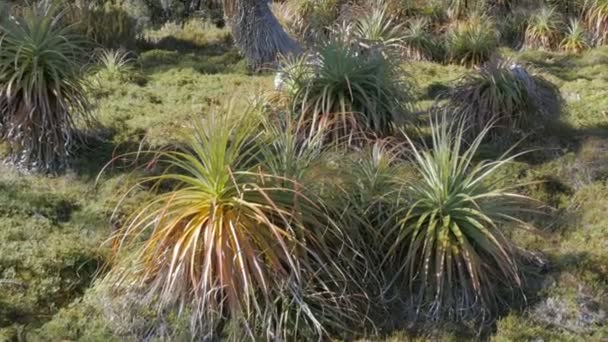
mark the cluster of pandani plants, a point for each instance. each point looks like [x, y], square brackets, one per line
[466, 32]
[317, 212]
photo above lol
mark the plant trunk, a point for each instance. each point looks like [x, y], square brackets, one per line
[257, 33]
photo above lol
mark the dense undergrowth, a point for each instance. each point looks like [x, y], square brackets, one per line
[52, 229]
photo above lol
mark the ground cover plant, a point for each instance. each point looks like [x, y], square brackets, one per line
[188, 132]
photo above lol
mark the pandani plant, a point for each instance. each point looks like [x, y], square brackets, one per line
[516, 100]
[449, 248]
[342, 86]
[42, 87]
[235, 240]
[543, 31]
[575, 39]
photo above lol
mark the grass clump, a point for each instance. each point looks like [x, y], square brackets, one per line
[42, 89]
[340, 83]
[449, 249]
[543, 29]
[242, 248]
[504, 94]
[472, 42]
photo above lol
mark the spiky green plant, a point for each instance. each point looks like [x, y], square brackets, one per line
[543, 29]
[345, 84]
[472, 42]
[575, 39]
[596, 20]
[378, 29]
[42, 90]
[417, 42]
[242, 248]
[115, 64]
[449, 249]
[506, 94]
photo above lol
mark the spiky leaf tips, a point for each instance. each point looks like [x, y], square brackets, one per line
[449, 248]
[42, 90]
[240, 247]
[503, 93]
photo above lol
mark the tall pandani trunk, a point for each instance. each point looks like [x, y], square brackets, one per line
[257, 33]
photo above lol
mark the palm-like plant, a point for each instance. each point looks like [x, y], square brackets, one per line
[449, 248]
[596, 20]
[232, 241]
[575, 39]
[472, 42]
[543, 29]
[505, 94]
[345, 87]
[418, 43]
[42, 90]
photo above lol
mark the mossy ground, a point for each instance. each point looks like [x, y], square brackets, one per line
[52, 229]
